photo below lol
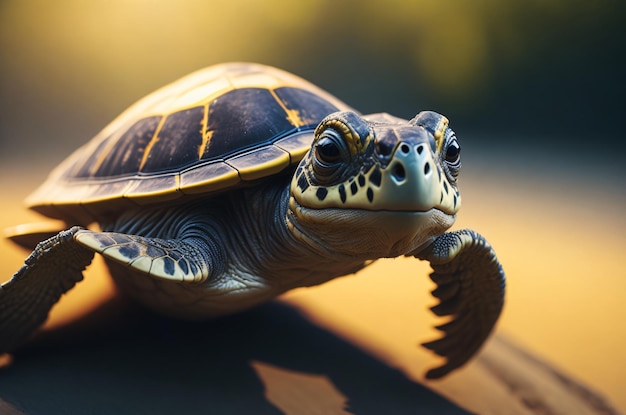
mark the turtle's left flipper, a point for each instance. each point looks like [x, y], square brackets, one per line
[470, 287]
[50, 270]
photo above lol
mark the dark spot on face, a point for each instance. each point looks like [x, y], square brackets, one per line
[321, 193]
[168, 265]
[397, 171]
[455, 201]
[445, 187]
[419, 149]
[130, 250]
[439, 174]
[303, 183]
[441, 198]
[361, 180]
[427, 168]
[342, 193]
[370, 194]
[376, 177]
[354, 188]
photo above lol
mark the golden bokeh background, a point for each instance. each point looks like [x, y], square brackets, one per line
[534, 90]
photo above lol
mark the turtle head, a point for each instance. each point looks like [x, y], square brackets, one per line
[381, 166]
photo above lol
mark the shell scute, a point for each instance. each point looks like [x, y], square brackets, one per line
[183, 128]
[208, 177]
[127, 155]
[243, 118]
[161, 188]
[258, 163]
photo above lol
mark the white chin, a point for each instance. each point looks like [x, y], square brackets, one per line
[369, 234]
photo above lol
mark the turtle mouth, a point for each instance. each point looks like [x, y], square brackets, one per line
[365, 232]
[295, 204]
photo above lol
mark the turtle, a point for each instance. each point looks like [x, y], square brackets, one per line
[241, 181]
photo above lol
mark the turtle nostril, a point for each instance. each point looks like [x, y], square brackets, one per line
[398, 173]
[405, 148]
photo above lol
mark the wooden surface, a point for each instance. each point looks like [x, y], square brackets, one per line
[350, 346]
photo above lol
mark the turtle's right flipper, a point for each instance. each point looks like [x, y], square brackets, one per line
[50, 270]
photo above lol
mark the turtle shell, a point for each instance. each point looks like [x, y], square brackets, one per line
[207, 132]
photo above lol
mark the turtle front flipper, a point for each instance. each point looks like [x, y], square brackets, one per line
[470, 287]
[181, 260]
[50, 270]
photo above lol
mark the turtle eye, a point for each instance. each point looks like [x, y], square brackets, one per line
[329, 154]
[453, 157]
[453, 152]
[327, 151]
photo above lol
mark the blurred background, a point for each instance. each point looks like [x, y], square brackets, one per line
[534, 89]
[519, 74]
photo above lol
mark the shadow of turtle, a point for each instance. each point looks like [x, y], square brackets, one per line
[143, 363]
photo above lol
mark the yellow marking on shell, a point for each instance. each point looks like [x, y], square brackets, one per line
[206, 140]
[293, 116]
[206, 133]
[439, 133]
[153, 141]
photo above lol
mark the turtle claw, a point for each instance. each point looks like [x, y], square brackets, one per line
[53, 268]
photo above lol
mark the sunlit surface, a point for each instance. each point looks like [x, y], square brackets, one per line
[300, 393]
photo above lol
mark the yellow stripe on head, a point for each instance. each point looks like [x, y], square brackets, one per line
[439, 132]
[353, 129]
